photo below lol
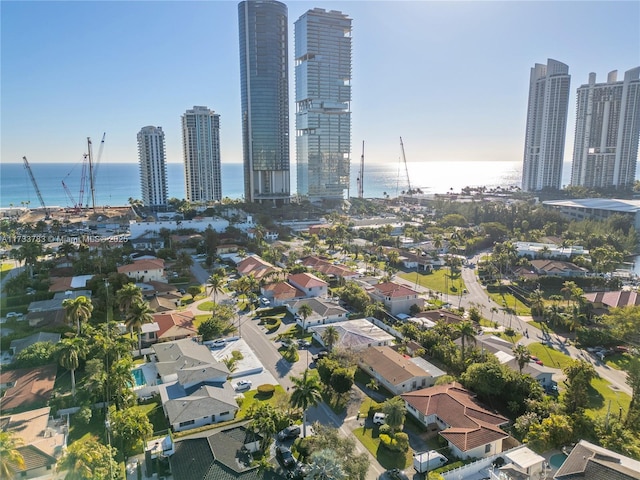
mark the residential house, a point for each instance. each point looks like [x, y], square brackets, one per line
[355, 335]
[161, 304]
[56, 302]
[170, 326]
[591, 462]
[471, 431]
[395, 297]
[558, 268]
[27, 386]
[329, 269]
[256, 266]
[194, 390]
[396, 372]
[227, 248]
[224, 455]
[281, 292]
[147, 242]
[520, 463]
[323, 312]
[440, 315]
[49, 318]
[548, 250]
[20, 344]
[503, 350]
[144, 270]
[603, 301]
[311, 285]
[422, 263]
[44, 441]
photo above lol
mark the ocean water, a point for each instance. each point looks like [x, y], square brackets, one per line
[117, 182]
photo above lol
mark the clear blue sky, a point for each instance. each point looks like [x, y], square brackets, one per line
[451, 78]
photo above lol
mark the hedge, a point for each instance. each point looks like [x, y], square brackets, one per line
[266, 389]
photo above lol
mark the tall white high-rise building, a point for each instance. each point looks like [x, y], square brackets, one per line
[323, 103]
[201, 149]
[153, 166]
[605, 151]
[546, 126]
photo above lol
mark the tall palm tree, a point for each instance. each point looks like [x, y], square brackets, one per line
[128, 295]
[394, 410]
[77, 311]
[139, 314]
[467, 332]
[305, 311]
[537, 301]
[306, 393]
[522, 355]
[567, 290]
[71, 351]
[214, 283]
[330, 336]
[10, 456]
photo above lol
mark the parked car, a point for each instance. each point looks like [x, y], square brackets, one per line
[219, 343]
[292, 431]
[286, 457]
[379, 418]
[265, 301]
[302, 343]
[13, 314]
[320, 355]
[552, 390]
[396, 474]
[242, 385]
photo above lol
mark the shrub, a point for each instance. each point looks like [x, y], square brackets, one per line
[384, 429]
[266, 389]
[402, 440]
[271, 327]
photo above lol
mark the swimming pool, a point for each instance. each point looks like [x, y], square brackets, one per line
[557, 460]
[138, 375]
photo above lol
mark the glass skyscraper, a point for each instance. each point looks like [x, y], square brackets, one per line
[201, 149]
[264, 78]
[323, 103]
[153, 166]
[546, 126]
[605, 151]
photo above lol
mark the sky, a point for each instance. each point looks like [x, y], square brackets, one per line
[450, 77]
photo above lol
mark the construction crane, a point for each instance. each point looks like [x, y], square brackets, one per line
[406, 169]
[35, 185]
[69, 196]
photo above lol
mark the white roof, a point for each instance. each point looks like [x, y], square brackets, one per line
[612, 204]
[80, 281]
[524, 457]
[150, 327]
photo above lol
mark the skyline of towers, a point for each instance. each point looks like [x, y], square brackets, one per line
[201, 152]
[323, 103]
[605, 149]
[264, 92]
[153, 166]
[546, 126]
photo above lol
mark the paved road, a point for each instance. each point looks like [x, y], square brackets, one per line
[477, 296]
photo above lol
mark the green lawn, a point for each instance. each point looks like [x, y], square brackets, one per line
[153, 410]
[508, 300]
[206, 306]
[388, 459]
[603, 399]
[200, 318]
[617, 361]
[252, 397]
[438, 281]
[549, 356]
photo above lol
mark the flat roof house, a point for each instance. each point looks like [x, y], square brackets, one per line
[355, 335]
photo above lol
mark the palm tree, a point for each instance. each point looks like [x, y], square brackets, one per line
[325, 466]
[305, 311]
[522, 355]
[537, 301]
[467, 332]
[77, 311]
[71, 351]
[10, 456]
[139, 314]
[128, 295]
[306, 393]
[567, 290]
[394, 410]
[330, 337]
[215, 282]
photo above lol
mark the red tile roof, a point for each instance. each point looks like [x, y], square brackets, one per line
[327, 268]
[283, 291]
[175, 324]
[150, 264]
[30, 385]
[307, 280]
[256, 266]
[470, 425]
[394, 290]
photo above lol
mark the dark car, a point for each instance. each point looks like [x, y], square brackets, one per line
[397, 474]
[286, 457]
[292, 431]
[320, 355]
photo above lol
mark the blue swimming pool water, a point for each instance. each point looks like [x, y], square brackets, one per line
[557, 460]
[138, 375]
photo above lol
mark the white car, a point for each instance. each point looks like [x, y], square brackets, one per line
[379, 418]
[242, 385]
[219, 343]
[13, 314]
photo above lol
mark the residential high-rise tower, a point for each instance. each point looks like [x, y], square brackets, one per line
[201, 149]
[323, 103]
[605, 151]
[264, 90]
[153, 166]
[546, 126]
